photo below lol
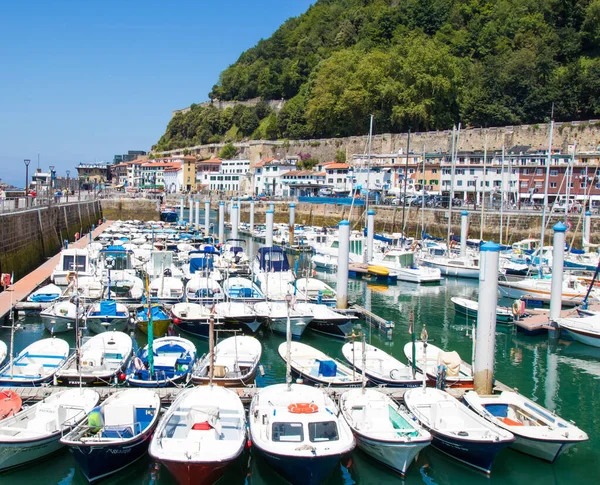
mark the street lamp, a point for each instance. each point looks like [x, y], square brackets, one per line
[51, 192]
[68, 185]
[26, 162]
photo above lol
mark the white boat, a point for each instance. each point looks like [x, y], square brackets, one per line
[276, 313]
[107, 316]
[458, 372]
[272, 270]
[584, 329]
[402, 263]
[46, 294]
[458, 266]
[3, 352]
[161, 264]
[383, 429]
[313, 290]
[538, 431]
[299, 431]
[61, 316]
[457, 431]
[242, 289]
[116, 434]
[236, 361]
[327, 262]
[193, 318]
[72, 262]
[166, 289]
[237, 315]
[326, 320]
[103, 359]
[470, 308]
[318, 368]
[381, 367]
[200, 435]
[205, 290]
[36, 364]
[35, 432]
[573, 289]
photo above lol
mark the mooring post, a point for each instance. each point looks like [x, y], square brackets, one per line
[234, 221]
[221, 222]
[292, 222]
[181, 207]
[343, 260]
[207, 217]
[251, 218]
[269, 236]
[464, 229]
[486, 319]
[587, 231]
[370, 233]
[197, 217]
[191, 215]
[558, 258]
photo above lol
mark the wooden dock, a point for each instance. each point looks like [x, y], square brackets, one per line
[370, 318]
[22, 288]
[536, 322]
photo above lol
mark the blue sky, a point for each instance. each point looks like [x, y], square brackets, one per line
[81, 80]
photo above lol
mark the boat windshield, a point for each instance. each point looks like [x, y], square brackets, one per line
[70, 265]
[288, 432]
[323, 431]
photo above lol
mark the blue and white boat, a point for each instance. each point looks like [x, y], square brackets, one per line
[457, 431]
[116, 434]
[46, 294]
[107, 316]
[272, 271]
[172, 361]
[36, 364]
[242, 289]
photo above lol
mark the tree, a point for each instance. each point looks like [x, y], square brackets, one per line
[228, 151]
[340, 156]
[307, 164]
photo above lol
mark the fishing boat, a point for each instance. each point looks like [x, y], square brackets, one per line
[35, 432]
[318, 368]
[457, 431]
[327, 321]
[72, 262]
[242, 290]
[458, 373]
[470, 308]
[459, 266]
[170, 362]
[10, 404]
[573, 289]
[312, 290]
[381, 368]
[193, 318]
[116, 434]
[235, 363]
[299, 431]
[402, 263]
[383, 429]
[61, 316]
[276, 312]
[584, 329]
[204, 290]
[200, 435]
[99, 361]
[3, 352]
[161, 319]
[107, 316]
[36, 364]
[538, 431]
[272, 263]
[237, 315]
[46, 294]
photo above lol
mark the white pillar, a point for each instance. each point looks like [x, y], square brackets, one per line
[197, 217]
[181, 207]
[191, 214]
[558, 257]
[464, 224]
[292, 223]
[485, 344]
[207, 217]
[370, 233]
[272, 206]
[269, 236]
[587, 231]
[221, 222]
[234, 221]
[251, 217]
[343, 260]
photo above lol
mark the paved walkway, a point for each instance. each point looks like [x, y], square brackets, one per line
[22, 288]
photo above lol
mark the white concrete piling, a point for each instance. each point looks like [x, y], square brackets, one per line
[191, 215]
[207, 217]
[269, 236]
[343, 260]
[272, 206]
[558, 258]
[464, 229]
[235, 221]
[197, 216]
[181, 207]
[292, 223]
[251, 217]
[485, 344]
[221, 222]
[370, 234]
[587, 231]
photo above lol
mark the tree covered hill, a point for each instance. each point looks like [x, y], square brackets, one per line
[418, 64]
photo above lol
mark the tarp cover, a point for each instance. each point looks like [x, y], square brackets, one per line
[197, 264]
[108, 308]
[327, 368]
[452, 362]
[273, 259]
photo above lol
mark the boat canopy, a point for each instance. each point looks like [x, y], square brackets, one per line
[272, 259]
[200, 264]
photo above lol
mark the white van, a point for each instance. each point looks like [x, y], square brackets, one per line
[564, 204]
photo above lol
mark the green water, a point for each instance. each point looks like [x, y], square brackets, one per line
[564, 378]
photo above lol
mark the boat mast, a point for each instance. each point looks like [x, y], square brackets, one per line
[423, 197]
[452, 178]
[482, 221]
[150, 352]
[502, 194]
[405, 183]
[365, 250]
[288, 340]
[548, 161]
[12, 335]
[364, 363]
[211, 348]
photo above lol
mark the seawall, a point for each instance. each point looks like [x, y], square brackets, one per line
[129, 209]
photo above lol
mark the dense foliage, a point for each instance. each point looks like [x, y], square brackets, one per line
[419, 64]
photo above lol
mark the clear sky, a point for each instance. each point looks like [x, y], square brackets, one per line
[82, 80]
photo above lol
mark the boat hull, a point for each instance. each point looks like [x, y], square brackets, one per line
[397, 456]
[233, 382]
[159, 327]
[303, 470]
[332, 328]
[298, 325]
[584, 337]
[195, 473]
[100, 325]
[55, 324]
[13, 455]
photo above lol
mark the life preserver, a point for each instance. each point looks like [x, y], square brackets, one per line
[569, 225]
[303, 408]
[516, 308]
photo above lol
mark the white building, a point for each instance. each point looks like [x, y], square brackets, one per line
[153, 173]
[205, 169]
[173, 178]
[267, 175]
[232, 177]
[299, 183]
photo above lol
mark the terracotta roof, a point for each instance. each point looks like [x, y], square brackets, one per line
[304, 172]
[336, 165]
[212, 161]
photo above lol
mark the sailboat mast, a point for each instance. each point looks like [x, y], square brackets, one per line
[364, 363]
[150, 332]
[502, 194]
[12, 336]
[405, 183]
[548, 161]
[482, 221]
[288, 339]
[423, 198]
[452, 178]
[211, 348]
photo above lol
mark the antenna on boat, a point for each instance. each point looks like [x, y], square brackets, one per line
[413, 337]
[288, 339]
[424, 337]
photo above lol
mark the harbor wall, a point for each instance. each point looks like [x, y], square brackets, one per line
[28, 237]
[129, 209]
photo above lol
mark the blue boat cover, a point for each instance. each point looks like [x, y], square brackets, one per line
[327, 368]
[236, 249]
[498, 410]
[111, 249]
[108, 308]
[158, 313]
[200, 264]
[272, 259]
[45, 297]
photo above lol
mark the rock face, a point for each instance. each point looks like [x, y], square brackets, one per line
[127, 209]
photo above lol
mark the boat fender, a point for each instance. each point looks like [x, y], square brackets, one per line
[303, 408]
[5, 280]
[137, 363]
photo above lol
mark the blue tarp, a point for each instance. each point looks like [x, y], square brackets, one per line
[108, 308]
[272, 259]
[327, 368]
[199, 264]
[158, 313]
[379, 237]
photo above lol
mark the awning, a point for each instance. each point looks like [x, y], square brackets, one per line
[538, 180]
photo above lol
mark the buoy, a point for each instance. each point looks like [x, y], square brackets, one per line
[303, 408]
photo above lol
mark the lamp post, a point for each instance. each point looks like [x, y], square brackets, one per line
[68, 185]
[26, 162]
[51, 192]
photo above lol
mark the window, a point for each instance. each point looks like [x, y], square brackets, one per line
[524, 185]
[552, 185]
[554, 173]
[539, 171]
[330, 181]
[472, 171]
[538, 184]
[487, 183]
[497, 183]
[434, 170]
[471, 183]
[323, 431]
[459, 183]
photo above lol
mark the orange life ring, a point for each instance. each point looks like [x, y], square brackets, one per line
[76, 236]
[5, 280]
[303, 408]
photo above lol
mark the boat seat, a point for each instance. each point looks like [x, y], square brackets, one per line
[119, 416]
[45, 419]
[117, 432]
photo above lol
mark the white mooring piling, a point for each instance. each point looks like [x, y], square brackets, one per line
[370, 233]
[251, 217]
[587, 231]
[292, 223]
[234, 221]
[464, 229]
[221, 222]
[197, 216]
[207, 217]
[181, 207]
[191, 215]
[485, 344]
[269, 221]
[558, 258]
[343, 260]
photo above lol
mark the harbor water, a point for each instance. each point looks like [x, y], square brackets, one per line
[563, 377]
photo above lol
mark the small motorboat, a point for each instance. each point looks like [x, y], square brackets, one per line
[201, 434]
[326, 320]
[61, 316]
[36, 364]
[584, 329]
[458, 373]
[242, 289]
[46, 294]
[237, 315]
[107, 316]
[173, 360]
[193, 318]
[383, 429]
[538, 432]
[116, 434]
[317, 367]
[35, 432]
[470, 308]
[312, 290]
[299, 431]
[166, 289]
[457, 431]
[381, 367]
[160, 320]
[276, 313]
[206, 291]
[10, 404]
[3, 352]
[101, 361]
[73, 262]
[236, 361]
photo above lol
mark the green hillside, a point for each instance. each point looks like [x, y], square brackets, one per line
[419, 64]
